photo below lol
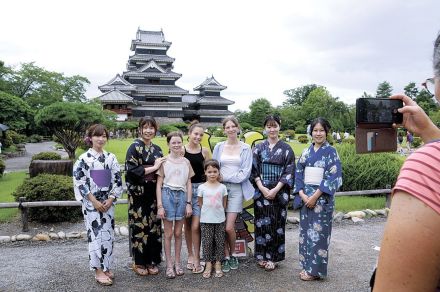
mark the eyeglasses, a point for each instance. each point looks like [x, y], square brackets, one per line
[429, 84]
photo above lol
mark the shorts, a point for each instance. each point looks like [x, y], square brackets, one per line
[195, 202]
[174, 203]
[235, 198]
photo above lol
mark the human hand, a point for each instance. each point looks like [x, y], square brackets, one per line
[188, 210]
[98, 205]
[264, 191]
[107, 204]
[271, 194]
[311, 202]
[161, 213]
[158, 162]
[416, 120]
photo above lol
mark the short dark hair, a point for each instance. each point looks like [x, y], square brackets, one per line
[148, 120]
[174, 134]
[97, 130]
[323, 122]
[272, 118]
[211, 162]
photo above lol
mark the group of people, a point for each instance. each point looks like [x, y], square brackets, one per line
[189, 187]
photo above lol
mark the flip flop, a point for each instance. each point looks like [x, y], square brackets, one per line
[170, 273]
[190, 266]
[104, 280]
[307, 277]
[198, 270]
[140, 270]
[218, 270]
[262, 264]
[153, 270]
[270, 266]
[110, 274]
[179, 270]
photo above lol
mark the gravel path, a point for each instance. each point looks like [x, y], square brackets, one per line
[22, 163]
[63, 266]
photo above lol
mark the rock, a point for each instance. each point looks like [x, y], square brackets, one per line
[338, 217]
[123, 230]
[346, 216]
[371, 212]
[367, 214]
[61, 235]
[117, 233]
[14, 238]
[41, 237]
[53, 235]
[357, 220]
[51, 230]
[21, 237]
[381, 212]
[358, 214]
[72, 235]
[84, 234]
[5, 239]
[293, 220]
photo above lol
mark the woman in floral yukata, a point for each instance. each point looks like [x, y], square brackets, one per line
[143, 159]
[97, 184]
[273, 171]
[318, 176]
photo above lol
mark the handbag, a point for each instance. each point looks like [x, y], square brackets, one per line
[297, 202]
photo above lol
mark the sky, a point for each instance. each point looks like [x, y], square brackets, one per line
[256, 48]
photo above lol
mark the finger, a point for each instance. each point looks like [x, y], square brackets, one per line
[406, 100]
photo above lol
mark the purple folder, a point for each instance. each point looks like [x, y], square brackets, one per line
[101, 177]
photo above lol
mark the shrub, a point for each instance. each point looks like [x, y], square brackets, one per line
[181, 126]
[245, 126]
[16, 137]
[367, 171]
[49, 187]
[417, 141]
[218, 132]
[290, 134]
[2, 167]
[330, 139]
[46, 156]
[349, 141]
[303, 139]
[165, 129]
[7, 141]
[35, 138]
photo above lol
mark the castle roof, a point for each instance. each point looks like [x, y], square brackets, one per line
[149, 38]
[161, 89]
[149, 57]
[118, 82]
[210, 84]
[115, 96]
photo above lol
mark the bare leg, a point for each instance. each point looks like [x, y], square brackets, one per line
[168, 229]
[178, 239]
[195, 230]
[230, 234]
[189, 239]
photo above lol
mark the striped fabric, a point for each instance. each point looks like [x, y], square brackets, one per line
[271, 173]
[420, 175]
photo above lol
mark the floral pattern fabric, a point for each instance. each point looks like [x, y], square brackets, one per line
[145, 227]
[99, 225]
[316, 224]
[272, 166]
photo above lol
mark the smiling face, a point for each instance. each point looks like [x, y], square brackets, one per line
[196, 135]
[212, 173]
[98, 142]
[272, 129]
[231, 129]
[175, 145]
[319, 135]
[148, 132]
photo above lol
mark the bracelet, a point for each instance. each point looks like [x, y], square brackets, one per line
[159, 207]
[189, 203]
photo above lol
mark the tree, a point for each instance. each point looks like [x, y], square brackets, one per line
[384, 90]
[259, 109]
[14, 112]
[298, 95]
[366, 95]
[39, 87]
[68, 121]
[242, 116]
[411, 90]
[5, 74]
[425, 101]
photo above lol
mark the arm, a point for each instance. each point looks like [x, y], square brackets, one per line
[416, 120]
[188, 198]
[288, 172]
[245, 167]
[116, 182]
[299, 177]
[255, 172]
[409, 258]
[160, 209]
[81, 180]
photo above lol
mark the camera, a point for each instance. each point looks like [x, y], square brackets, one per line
[374, 124]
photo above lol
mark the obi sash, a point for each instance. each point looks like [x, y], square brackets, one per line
[313, 175]
[101, 177]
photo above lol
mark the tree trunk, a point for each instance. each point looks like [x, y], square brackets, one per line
[64, 167]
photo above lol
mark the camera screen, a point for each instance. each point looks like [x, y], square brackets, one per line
[378, 111]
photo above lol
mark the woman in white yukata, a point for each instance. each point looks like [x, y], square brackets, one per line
[97, 184]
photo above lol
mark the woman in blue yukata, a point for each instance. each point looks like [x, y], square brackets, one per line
[273, 171]
[318, 176]
[97, 184]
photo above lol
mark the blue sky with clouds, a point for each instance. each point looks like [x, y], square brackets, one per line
[255, 48]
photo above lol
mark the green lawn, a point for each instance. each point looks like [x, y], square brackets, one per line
[357, 203]
[8, 183]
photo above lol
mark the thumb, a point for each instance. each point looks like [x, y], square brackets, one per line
[409, 109]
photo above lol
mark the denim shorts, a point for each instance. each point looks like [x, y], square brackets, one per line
[235, 198]
[174, 203]
[195, 202]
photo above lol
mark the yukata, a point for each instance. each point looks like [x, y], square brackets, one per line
[100, 225]
[272, 166]
[316, 224]
[145, 227]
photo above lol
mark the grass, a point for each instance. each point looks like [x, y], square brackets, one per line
[357, 203]
[8, 184]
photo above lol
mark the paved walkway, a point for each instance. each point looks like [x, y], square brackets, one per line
[22, 163]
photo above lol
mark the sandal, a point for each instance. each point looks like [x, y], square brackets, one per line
[261, 264]
[207, 272]
[190, 266]
[104, 280]
[153, 270]
[170, 273]
[270, 266]
[140, 270]
[198, 270]
[218, 270]
[307, 277]
[179, 270]
[109, 274]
